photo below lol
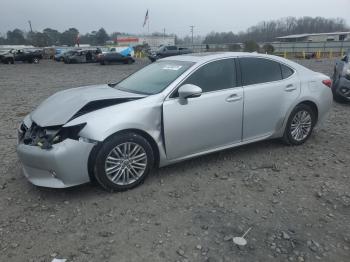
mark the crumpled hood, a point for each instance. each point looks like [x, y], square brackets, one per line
[59, 108]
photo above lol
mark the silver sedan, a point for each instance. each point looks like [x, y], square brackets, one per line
[177, 108]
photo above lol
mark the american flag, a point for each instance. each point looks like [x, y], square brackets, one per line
[146, 18]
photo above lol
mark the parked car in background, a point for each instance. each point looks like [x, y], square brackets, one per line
[82, 56]
[171, 110]
[166, 51]
[61, 56]
[341, 79]
[23, 55]
[114, 57]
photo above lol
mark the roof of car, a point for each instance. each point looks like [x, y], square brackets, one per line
[207, 56]
[200, 58]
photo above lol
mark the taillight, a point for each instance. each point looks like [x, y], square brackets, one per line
[327, 82]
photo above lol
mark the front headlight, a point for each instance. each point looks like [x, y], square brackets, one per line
[71, 132]
[347, 73]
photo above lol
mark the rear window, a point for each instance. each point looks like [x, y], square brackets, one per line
[286, 71]
[259, 70]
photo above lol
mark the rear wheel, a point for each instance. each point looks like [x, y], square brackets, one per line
[10, 61]
[36, 60]
[300, 125]
[123, 162]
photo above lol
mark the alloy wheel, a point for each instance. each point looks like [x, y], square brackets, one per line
[126, 163]
[301, 125]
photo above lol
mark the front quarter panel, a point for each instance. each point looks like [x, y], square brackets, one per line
[142, 114]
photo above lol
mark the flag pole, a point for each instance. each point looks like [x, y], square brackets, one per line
[148, 21]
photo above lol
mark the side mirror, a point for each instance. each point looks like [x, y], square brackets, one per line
[189, 91]
[345, 58]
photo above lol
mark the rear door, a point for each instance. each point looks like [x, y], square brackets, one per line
[269, 90]
[115, 57]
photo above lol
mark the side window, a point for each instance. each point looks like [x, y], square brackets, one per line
[170, 47]
[259, 70]
[286, 71]
[214, 76]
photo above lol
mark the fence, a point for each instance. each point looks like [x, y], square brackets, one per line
[334, 47]
[290, 49]
[280, 47]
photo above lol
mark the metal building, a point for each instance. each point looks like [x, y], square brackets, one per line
[316, 37]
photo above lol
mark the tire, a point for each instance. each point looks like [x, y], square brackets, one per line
[124, 174]
[302, 113]
[10, 61]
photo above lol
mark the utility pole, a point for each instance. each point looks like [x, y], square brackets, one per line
[30, 26]
[192, 26]
[164, 33]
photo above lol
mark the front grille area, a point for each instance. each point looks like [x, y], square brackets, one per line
[38, 136]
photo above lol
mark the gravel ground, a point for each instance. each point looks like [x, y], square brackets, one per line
[295, 199]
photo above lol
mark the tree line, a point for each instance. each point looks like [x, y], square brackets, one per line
[50, 37]
[266, 31]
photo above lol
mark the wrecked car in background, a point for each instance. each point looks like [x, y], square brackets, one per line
[341, 79]
[23, 55]
[82, 56]
[61, 56]
[114, 56]
[171, 110]
[166, 51]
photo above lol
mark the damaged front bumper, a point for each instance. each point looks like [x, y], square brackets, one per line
[64, 165]
[343, 88]
[61, 165]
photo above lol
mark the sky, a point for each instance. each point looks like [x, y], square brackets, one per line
[175, 16]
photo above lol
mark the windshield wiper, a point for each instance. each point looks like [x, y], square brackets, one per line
[112, 84]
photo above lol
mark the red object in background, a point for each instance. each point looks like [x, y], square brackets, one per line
[126, 39]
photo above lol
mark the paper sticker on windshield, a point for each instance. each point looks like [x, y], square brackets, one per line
[172, 67]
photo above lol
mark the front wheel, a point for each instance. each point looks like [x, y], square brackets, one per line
[300, 125]
[36, 60]
[123, 162]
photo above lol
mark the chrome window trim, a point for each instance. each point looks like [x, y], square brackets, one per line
[169, 93]
[168, 96]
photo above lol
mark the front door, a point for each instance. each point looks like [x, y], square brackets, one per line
[212, 120]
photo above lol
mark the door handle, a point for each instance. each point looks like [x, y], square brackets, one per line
[233, 98]
[290, 88]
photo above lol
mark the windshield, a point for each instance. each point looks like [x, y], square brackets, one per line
[154, 78]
